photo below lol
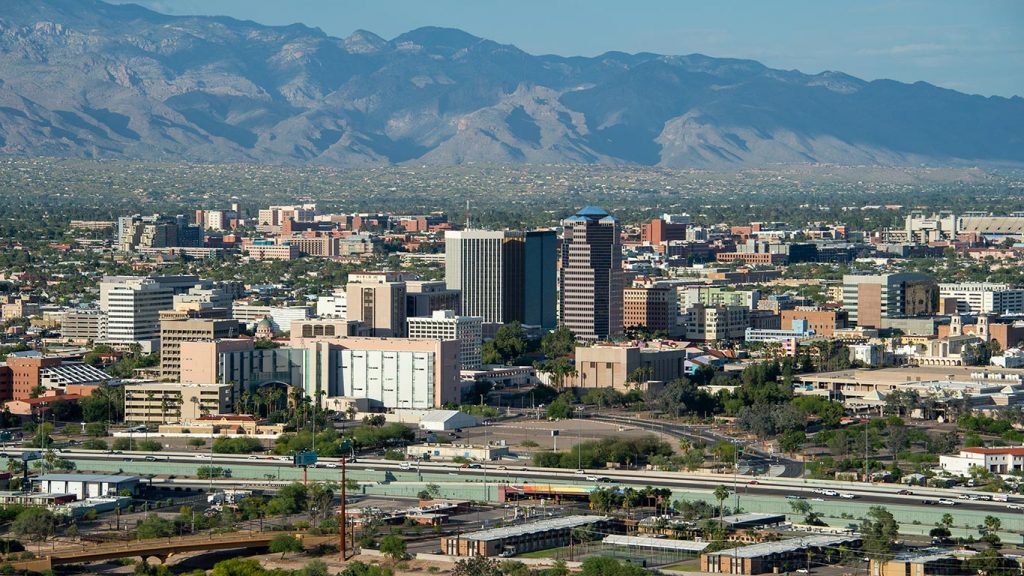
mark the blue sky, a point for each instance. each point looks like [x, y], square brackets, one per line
[975, 46]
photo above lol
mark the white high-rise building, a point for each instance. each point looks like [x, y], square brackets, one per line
[984, 297]
[132, 307]
[474, 263]
[445, 325]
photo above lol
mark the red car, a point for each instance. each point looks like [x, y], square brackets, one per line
[753, 482]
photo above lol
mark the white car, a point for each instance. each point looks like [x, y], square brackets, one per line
[947, 502]
[593, 479]
[847, 495]
[580, 472]
[1014, 507]
[405, 466]
[330, 465]
[830, 493]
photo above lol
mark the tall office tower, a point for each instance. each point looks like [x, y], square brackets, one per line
[156, 231]
[591, 279]
[132, 307]
[377, 299]
[505, 276]
[446, 325]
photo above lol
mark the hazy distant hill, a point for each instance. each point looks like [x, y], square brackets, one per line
[87, 79]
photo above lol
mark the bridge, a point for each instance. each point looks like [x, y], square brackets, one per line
[163, 548]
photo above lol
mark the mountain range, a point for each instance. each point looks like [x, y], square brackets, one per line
[87, 79]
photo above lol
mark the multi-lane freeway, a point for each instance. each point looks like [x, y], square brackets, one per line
[405, 472]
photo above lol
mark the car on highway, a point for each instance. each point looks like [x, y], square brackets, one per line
[150, 458]
[962, 497]
[592, 479]
[330, 465]
[947, 502]
[403, 466]
[502, 467]
[981, 497]
[753, 482]
[1015, 507]
[828, 492]
[847, 495]
[794, 497]
[905, 492]
[580, 472]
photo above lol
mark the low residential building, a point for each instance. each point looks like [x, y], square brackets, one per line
[930, 562]
[164, 402]
[522, 538]
[40, 406]
[774, 557]
[1000, 460]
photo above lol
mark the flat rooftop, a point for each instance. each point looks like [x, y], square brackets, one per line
[566, 523]
[656, 543]
[785, 546]
[909, 374]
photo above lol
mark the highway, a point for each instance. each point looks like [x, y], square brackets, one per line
[753, 456]
[513, 473]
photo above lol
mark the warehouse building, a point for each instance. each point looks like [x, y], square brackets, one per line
[85, 485]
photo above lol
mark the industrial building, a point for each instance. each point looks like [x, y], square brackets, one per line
[85, 485]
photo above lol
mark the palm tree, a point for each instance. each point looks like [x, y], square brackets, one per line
[149, 401]
[244, 399]
[721, 494]
[163, 410]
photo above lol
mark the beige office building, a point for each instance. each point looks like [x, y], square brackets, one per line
[200, 358]
[165, 402]
[173, 332]
[614, 366]
[378, 301]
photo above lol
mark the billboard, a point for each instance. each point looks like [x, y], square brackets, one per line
[304, 459]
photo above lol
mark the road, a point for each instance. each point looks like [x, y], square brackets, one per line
[702, 482]
[753, 456]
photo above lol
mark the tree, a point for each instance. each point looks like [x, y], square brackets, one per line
[477, 566]
[992, 563]
[393, 547]
[238, 567]
[155, 527]
[196, 442]
[34, 523]
[721, 494]
[947, 520]
[509, 345]
[606, 566]
[558, 343]
[357, 568]
[878, 532]
[792, 441]
[285, 543]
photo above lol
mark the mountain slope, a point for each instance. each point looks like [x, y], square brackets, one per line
[83, 78]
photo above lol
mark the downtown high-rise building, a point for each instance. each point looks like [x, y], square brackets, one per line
[591, 278]
[505, 276]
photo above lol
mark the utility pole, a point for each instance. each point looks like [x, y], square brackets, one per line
[343, 520]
